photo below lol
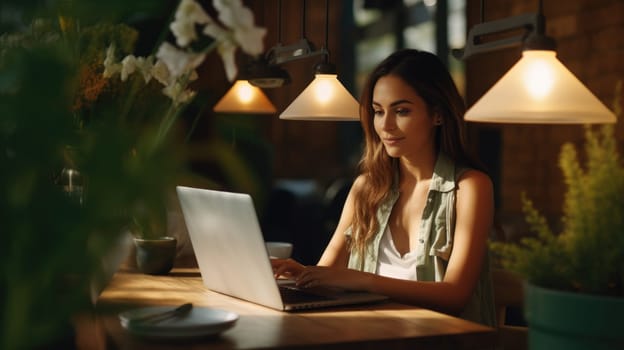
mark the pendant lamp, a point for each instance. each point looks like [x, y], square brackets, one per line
[538, 89]
[325, 98]
[244, 98]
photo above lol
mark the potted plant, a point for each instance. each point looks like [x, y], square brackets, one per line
[574, 295]
[61, 116]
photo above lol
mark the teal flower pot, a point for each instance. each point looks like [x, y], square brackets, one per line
[567, 320]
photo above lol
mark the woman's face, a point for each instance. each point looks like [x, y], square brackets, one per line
[401, 118]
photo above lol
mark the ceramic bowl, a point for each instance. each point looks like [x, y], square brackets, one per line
[155, 256]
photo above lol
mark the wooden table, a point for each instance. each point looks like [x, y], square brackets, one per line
[386, 325]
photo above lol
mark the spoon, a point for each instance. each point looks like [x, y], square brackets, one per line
[179, 311]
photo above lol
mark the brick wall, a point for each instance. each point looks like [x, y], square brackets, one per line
[590, 39]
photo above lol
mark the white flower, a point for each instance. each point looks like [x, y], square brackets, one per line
[214, 30]
[188, 14]
[175, 67]
[177, 93]
[110, 66]
[241, 32]
[192, 11]
[240, 20]
[184, 32]
[160, 72]
[227, 50]
[179, 62]
[128, 66]
[250, 39]
[145, 65]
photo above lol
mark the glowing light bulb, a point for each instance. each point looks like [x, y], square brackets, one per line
[539, 78]
[324, 90]
[245, 92]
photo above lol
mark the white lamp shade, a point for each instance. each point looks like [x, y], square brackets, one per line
[539, 89]
[244, 98]
[324, 99]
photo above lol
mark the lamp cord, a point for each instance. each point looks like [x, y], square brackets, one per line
[279, 21]
[303, 26]
[482, 14]
[541, 23]
[326, 56]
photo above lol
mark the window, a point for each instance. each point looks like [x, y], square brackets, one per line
[384, 26]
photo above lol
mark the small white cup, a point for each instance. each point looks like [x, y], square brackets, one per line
[280, 250]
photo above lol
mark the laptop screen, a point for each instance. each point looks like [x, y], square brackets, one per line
[228, 244]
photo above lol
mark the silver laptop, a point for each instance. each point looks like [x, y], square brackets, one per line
[232, 256]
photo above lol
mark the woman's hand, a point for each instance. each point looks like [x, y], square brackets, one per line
[286, 268]
[336, 277]
[314, 276]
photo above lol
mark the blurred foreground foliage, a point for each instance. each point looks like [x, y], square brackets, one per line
[53, 242]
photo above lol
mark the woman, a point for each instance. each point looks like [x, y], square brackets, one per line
[415, 224]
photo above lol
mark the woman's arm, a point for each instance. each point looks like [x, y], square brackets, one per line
[474, 215]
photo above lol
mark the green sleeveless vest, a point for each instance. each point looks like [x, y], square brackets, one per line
[435, 239]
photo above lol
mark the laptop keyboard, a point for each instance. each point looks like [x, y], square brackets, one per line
[294, 295]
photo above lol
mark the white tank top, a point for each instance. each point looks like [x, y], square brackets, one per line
[390, 263]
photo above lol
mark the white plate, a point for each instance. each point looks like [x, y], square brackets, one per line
[199, 322]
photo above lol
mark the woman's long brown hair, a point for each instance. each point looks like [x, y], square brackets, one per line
[426, 74]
